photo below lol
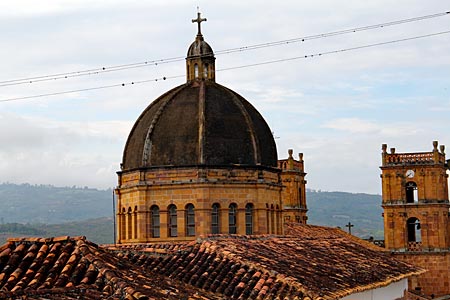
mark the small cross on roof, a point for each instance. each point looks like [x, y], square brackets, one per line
[198, 21]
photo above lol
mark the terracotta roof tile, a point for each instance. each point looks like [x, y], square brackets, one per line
[309, 262]
[67, 268]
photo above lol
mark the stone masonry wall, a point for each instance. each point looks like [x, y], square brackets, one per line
[437, 280]
[201, 187]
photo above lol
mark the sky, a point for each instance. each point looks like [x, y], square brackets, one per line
[337, 109]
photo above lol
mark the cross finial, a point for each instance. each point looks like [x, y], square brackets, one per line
[198, 21]
[349, 225]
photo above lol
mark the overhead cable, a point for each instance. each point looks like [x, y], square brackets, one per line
[96, 71]
[230, 68]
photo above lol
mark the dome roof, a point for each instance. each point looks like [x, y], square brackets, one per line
[199, 123]
[199, 48]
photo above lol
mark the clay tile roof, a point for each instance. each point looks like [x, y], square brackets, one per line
[68, 268]
[308, 263]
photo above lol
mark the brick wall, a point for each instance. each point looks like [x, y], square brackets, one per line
[434, 222]
[436, 281]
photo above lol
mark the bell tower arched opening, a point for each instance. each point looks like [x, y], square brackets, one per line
[412, 195]
[414, 230]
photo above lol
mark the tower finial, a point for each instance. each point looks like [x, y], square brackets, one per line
[198, 21]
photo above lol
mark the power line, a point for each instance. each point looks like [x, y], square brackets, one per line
[230, 68]
[96, 71]
[78, 74]
[340, 32]
[92, 88]
[336, 51]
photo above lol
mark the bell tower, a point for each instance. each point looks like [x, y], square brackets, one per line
[294, 188]
[416, 214]
[415, 199]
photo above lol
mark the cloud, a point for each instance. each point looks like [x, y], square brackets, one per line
[270, 95]
[19, 133]
[335, 108]
[25, 131]
[352, 125]
[39, 150]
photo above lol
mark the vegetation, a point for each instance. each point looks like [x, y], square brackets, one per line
[47, 204]
[21, 229]
[45, 211]
[337, 209]
[99, 230]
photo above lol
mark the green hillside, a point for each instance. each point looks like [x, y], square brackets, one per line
[339, 208]
[48, 204]
[99, 230]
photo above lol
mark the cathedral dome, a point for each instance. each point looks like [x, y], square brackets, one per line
[200, 154]
[200, 123]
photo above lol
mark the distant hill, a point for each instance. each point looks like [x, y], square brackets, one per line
[48, 204]
[99, 230]
[337, 209]
[45, 210]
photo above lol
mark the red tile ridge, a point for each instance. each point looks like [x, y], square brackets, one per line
[43, 240]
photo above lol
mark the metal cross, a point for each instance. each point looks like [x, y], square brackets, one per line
[198, 21]
[349, 225]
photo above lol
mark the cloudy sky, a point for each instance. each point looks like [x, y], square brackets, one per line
[337, 109]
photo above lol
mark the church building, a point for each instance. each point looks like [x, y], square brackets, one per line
[201, 160]
[416, 215]
[207, 211]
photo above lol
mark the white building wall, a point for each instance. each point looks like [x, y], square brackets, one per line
[393, 291]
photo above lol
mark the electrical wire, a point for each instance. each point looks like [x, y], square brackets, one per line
[92, 88]
[336, 51]
[96, 71]
[231, 68]
[339, 32]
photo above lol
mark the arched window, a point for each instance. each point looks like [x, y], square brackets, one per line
[249, 218]
[135, 222]
[195, 71]
[190, 220]
[215, 217]
[205, 71]
[232, 218]
[155, 221]
[122, 225]
[277, 219]
[411, 192]
[172, 209]
[129, 224]
[272, 219]
[414, 232]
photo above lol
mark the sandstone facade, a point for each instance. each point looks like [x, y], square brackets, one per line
[416, 214]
